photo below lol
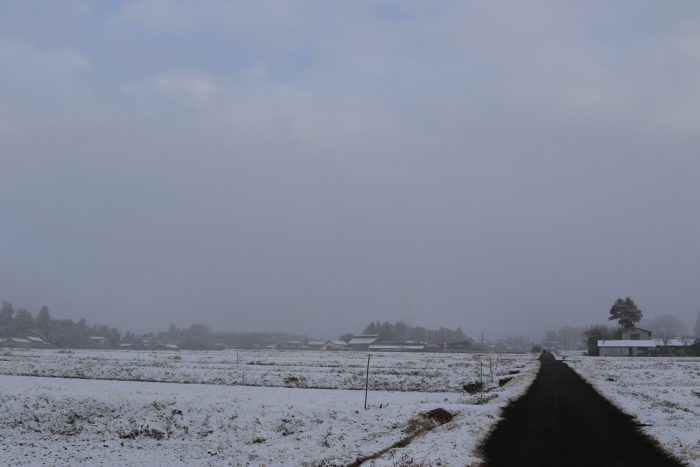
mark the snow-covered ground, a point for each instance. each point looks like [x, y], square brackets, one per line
[663, 393]
[70, 421]
[307, 369]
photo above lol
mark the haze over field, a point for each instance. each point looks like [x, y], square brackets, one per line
[311, 166]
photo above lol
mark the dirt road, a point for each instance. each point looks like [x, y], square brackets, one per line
[562, 421]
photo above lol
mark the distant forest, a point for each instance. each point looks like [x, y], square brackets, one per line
[201, 337]
[402, 332]
[66, 333]
[59, 332]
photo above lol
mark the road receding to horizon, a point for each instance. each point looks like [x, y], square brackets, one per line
[562, 421]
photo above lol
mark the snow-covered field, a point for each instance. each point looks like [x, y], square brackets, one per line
[89, 414]
[662, 393]
[306, 369]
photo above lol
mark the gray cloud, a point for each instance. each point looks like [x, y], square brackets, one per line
[507, 167]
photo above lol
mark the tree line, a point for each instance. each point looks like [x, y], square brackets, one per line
[202, 337]
[402, 332]
[66, 333]
[59, 332]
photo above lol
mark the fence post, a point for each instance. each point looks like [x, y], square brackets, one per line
[367, 381]
[481, 374]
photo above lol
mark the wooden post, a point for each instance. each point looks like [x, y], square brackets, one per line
[367, 381]
[481, 374]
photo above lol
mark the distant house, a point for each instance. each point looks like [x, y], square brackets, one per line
[219, 346]
[296, 345]
[98, 342]
[171, 347]
[460, 346]
[38, 342]
[17, 343]
[673, 344]
[327, 345]
[626, 347]
[635, 334]
[398, 347]
[335, 345]
[635, 342]
[362, 342]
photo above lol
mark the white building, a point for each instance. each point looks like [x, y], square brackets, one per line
[626, 347]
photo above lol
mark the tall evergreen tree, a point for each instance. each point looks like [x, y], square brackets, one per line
[24, 322]
[625, 312]
[43, 320]
[7, 320]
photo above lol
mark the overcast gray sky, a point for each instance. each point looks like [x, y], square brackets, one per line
[310, 166]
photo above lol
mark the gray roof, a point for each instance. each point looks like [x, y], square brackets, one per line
[362, 340]
[19, 339]
[627, 343]
[397, 346]
[36, 339]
